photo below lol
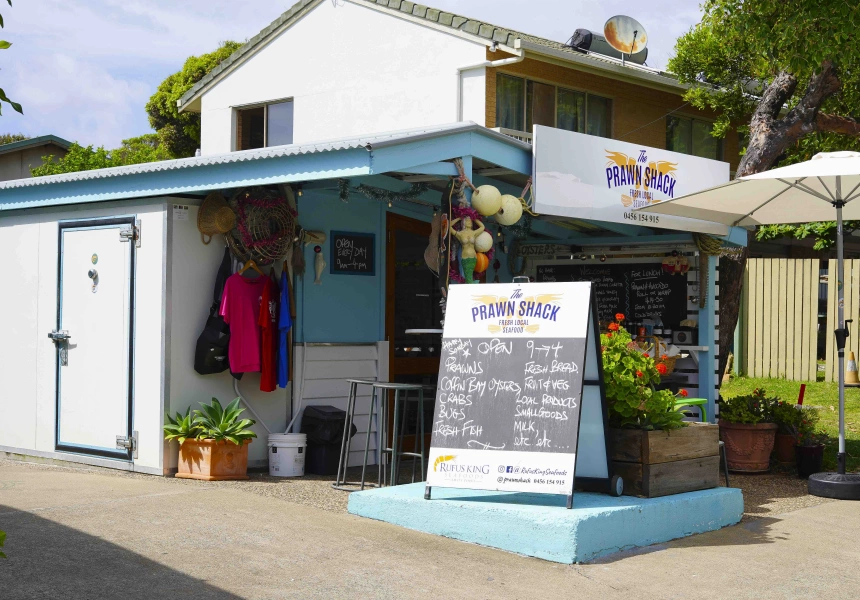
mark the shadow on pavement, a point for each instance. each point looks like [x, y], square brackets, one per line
[757, 532]
[49, 560]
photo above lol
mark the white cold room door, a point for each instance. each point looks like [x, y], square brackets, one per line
[94, 337]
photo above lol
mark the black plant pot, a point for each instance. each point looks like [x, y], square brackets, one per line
[809, 459]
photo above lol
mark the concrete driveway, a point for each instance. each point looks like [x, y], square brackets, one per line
[84, 534]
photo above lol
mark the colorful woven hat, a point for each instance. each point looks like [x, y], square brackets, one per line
[214, 217]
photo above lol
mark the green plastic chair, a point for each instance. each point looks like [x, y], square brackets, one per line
[700, 403]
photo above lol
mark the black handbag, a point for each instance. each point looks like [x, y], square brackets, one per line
[211, 352]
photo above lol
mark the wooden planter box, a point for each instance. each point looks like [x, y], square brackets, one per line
[660, 463]
[213, 461]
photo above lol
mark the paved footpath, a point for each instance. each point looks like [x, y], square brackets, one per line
[81, 534]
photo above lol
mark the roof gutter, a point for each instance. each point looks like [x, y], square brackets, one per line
[607, 67]
[520, 57]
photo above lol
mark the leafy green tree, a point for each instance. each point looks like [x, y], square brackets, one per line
[8, 138]
[180, 132]
[141, 149]
[4, 45]
[789, 73]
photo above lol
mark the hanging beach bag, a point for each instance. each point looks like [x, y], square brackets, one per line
[210, 354]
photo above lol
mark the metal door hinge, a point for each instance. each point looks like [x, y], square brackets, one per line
[127, 443]
[131, 232]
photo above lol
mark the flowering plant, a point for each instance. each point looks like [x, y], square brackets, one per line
[804, 430]
[631, 377]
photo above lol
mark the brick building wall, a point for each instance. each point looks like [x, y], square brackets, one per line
[633, 106]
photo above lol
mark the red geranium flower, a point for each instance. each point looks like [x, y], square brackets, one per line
[609, 335]
[639, 374]
[646, 355]
[613, 327]
[661, 368]
[619, 317]
[664, 357]
[684, 393]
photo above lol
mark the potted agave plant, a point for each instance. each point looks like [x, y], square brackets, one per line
[748, 430]
[213, 441]
[652, 448]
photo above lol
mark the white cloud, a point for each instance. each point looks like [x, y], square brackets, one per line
[84, 70]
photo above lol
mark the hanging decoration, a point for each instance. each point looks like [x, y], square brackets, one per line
[710, 246]
[484, 242]
[319, 265]
[676, 264]
[510, 210]
[481, 262]
[265, 225]
[463, 240]
[487, 200]
[214, 217]
[343, 190]
[389, 197]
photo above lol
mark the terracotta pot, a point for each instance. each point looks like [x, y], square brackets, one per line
[783, 448]
[748, 447]
[213, 461]
[809, 460]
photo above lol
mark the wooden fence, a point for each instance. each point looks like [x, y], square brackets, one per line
[852, 310]
[779, 332]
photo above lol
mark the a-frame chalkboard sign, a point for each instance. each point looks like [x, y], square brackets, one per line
[520, 404]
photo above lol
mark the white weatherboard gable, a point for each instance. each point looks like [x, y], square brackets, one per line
[350, 70]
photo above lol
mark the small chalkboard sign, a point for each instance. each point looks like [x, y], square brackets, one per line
[520, 368]
[637, 290]
[353, 253]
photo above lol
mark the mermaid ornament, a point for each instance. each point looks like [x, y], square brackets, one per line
[467, 236]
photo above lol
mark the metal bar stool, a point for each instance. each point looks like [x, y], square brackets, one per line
[340, 482]
[396, 445]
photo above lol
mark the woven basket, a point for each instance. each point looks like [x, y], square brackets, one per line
[214, 217]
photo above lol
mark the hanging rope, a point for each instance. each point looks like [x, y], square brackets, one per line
[461, 182]
[710, 246]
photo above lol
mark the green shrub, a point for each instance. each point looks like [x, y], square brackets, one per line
[749, 409]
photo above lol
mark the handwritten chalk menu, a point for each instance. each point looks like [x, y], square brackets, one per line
[352, 253]
[639, 291]
[510, 392]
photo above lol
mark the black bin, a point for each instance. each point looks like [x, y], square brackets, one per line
[324, 427]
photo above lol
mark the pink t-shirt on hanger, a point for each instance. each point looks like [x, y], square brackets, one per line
[240, 307]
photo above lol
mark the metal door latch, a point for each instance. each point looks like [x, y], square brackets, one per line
[131, 233]
[127, 443]
[61, 340]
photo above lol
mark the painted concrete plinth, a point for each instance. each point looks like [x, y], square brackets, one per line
[541, 526]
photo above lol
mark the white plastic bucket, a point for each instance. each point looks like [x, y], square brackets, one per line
[287, 454]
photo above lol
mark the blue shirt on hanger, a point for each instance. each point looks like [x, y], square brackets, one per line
[285, 322]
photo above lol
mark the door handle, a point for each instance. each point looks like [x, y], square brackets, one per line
[59, 335]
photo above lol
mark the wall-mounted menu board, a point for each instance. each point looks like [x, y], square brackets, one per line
[638, 290]
[352, 253]
[518, 371]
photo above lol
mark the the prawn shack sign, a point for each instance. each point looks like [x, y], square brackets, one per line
[515, 358]
[589, 177]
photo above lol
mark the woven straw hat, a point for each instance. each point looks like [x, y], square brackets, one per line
[214, 217]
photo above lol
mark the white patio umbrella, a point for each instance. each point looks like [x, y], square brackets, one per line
[815, 190]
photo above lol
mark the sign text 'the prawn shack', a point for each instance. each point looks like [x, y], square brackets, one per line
[589, 177]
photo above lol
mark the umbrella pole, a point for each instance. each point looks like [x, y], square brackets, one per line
[838, 485]
[842, 332]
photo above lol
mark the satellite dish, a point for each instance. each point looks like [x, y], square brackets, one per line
[625, 34]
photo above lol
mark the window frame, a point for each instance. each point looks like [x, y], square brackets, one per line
[721, 147]
[557, 87]
[265, 106]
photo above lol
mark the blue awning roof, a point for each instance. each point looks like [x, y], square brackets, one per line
[344, 158]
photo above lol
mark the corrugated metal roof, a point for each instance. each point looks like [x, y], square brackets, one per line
[367, 142]
[480, 29]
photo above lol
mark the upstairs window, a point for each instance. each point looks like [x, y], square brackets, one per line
[521, 104]
[263, 126]
[692, 136]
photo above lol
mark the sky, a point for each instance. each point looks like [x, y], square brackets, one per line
[85, 70]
